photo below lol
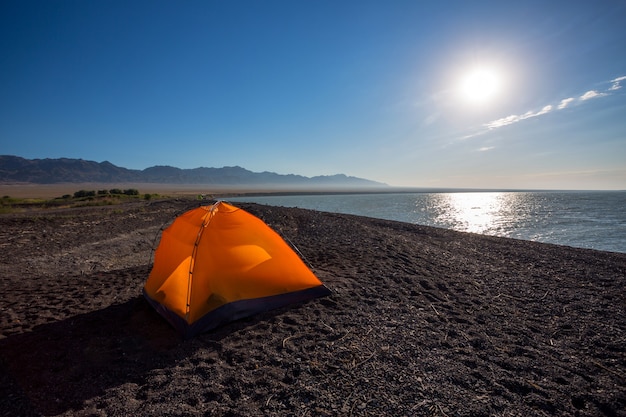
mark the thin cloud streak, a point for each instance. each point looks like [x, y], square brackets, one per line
[565, 102]
[514, 118]
[616, 83]
[591, 94]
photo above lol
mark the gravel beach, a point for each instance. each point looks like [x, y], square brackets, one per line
[422, 322]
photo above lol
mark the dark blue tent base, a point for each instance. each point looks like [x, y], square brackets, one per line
[235, 310]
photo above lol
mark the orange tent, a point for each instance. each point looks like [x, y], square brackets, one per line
[219, 263]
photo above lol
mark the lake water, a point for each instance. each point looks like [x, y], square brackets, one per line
[595, 220]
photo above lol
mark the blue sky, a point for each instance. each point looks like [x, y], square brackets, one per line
[372, 89]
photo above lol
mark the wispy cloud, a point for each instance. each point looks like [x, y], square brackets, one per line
[616, 84]
[514, 118]
[591, 94]
[565, 102]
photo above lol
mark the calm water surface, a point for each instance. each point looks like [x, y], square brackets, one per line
[595, 220]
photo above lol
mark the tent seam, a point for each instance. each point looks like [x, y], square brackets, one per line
[205, 222]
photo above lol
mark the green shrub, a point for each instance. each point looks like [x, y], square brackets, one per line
[84, 193]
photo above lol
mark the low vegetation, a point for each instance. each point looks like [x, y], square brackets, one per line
[79, 199]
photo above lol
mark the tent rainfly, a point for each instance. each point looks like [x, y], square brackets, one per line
[219, 263]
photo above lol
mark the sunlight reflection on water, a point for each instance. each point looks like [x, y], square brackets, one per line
[507, 214]
[494, 213]
[471, 212]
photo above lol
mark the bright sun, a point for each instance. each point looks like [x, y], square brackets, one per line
[480, 85]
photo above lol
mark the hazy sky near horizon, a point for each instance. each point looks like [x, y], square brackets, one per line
[488, 94]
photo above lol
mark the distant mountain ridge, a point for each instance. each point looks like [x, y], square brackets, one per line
[66, 170]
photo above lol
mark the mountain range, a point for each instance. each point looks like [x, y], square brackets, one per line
[15, 169]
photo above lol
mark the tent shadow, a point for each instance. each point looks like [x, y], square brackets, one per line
[59, 365]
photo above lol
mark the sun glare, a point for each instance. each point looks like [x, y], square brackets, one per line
[479, 85]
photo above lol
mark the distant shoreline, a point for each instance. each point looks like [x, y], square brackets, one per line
[30, 190]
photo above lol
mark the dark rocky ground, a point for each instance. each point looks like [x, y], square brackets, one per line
[422, 321]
